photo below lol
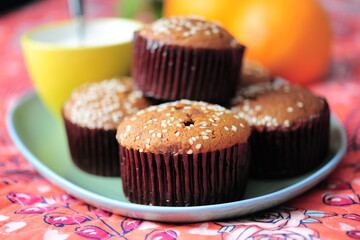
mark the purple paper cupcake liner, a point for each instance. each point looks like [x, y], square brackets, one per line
[95, 151]
[185, 180]
[170, 72]
[287, 152]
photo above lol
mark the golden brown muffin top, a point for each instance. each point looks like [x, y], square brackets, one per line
[271, 105]
[103, 104]
[253, 72]
[189, 31]
[182, 127]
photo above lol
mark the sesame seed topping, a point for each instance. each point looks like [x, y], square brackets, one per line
[242, 125]
[204, 133]
[191, 141]
[141, 150]
[206, 137]
[151, 131]
[190, 151]
[144, 127]
[187, 27]
[147, 146]
[128, 128]
[198, 146]
[153, 135]
[286, 123]
[258, 94]
[177, 134]
[164, 130]
[148, 140]
[233, 128]
[234, 43]
[226, 128]
[258, 108]
[246, 108]
[300, 104]
[215, 30]
[208, 130]
[137, 138]
[159, 135]
[97, 105]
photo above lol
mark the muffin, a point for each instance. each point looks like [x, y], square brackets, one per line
[290, 129]
[184, 153]
[91, 116]
[186, 58]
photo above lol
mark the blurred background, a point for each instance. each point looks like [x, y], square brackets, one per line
[304, 41]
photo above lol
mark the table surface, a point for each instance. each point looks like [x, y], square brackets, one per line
[328, 211]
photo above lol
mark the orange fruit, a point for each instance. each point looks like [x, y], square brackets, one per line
[291, 38]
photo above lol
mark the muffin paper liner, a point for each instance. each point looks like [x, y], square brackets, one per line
[170, 72]
[95, 151]
[290, 151]
[185, 179]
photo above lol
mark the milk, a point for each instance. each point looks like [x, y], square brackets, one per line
[97, 32]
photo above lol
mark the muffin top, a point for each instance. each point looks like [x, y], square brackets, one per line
[254, 72]
[103, 104]
[189, 31]
[271, 105]
[182, 127]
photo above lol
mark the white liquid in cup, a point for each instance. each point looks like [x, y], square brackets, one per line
[97, 32]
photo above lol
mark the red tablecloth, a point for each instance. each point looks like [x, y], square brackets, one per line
[30, 205]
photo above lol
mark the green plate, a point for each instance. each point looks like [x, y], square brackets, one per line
[42, 140]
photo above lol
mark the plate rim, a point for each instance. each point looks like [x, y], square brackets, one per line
[161, 213]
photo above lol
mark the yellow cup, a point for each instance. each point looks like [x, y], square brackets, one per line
[58, 63]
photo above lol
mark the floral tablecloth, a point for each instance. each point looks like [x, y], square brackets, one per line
[33, 208]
